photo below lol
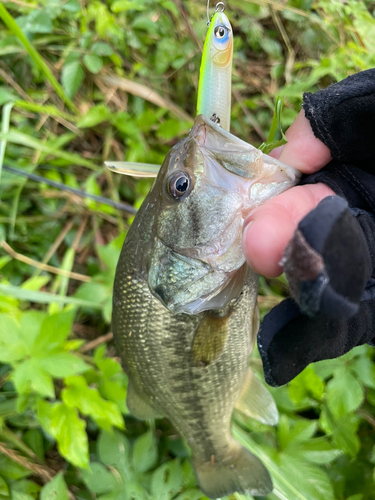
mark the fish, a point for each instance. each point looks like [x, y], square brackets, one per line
[214, 90]
[184, 306]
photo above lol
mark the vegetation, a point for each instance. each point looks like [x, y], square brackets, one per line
[86, 81]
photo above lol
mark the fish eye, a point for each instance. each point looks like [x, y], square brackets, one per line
[179, 185]
[220, 32]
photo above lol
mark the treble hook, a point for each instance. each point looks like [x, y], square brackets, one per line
[220, 7]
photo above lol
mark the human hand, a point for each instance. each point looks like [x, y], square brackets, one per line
[325, 250]
[270, 227]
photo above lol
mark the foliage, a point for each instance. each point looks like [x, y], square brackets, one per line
[69, 102]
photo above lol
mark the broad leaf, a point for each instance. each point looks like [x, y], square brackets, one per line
[89, 402]
[63, 364]
[30, 377]
[344, 393]
[72, 77]
[145, 452]
[114, 450]
[55, 489]
[69, 431]
[93, 63]
[99, 479]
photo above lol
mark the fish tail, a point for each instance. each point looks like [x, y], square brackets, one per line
[242, 473]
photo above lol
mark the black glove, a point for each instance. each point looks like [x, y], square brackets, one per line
[330, 261]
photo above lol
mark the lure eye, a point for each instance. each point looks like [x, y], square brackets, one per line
[220, 32]
[179, 185]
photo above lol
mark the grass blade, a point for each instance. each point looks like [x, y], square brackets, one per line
[35, 56]
[5, 119]
[44, 297]
[30, 142]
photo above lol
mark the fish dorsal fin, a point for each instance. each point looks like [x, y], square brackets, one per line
[133, 169]
[256, 401]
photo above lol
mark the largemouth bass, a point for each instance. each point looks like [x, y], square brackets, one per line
[184, 306]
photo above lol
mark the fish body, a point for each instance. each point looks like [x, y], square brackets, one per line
[214, 91]
[184, 308]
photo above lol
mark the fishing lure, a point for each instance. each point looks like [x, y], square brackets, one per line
[214, 91]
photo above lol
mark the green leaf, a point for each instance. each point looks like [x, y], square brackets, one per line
[72, 77]
[55, 489]
[12, 348]
[53, 332]
[44, 413]
[166, 480]
[93, 63]
[306, 384]
[4, 489]
[20, 495]
[108, 366]
[344, 393]
[63, 365]
[309, 480]
[99, 479]
[94, 116]
[195, 495]
[290, 431]
[35, 283]
[365, 370]
[101, 49]
[115, 390]
[145, 452]
[69, 431]
[72, 6]
[12, 470]
[38, 21]
[114, 450]
[318, 451]
[30, 377]
[345, 435]
[6, 96]
[26, 486]
[34, 439]
[89, 402]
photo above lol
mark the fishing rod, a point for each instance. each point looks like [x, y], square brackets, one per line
[125, 207]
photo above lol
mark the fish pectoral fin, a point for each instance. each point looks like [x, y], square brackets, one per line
[242, 473]
[139, 407]
[210, 338]
[256, 401]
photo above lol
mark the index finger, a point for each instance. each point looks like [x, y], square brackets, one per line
[304, 151]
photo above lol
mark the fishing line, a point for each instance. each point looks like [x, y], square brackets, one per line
[125, 207]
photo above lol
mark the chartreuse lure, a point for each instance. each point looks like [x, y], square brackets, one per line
[214, 91]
